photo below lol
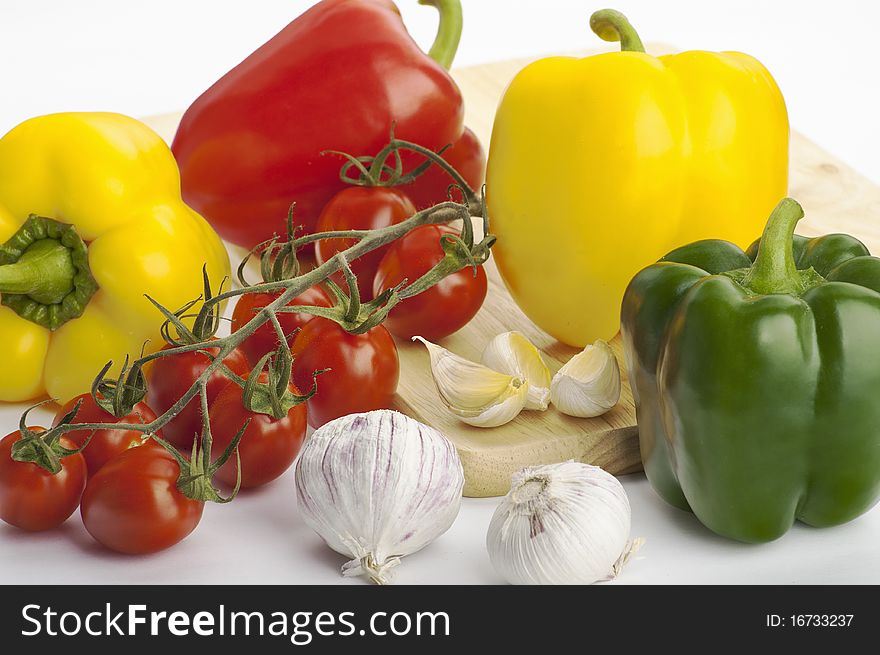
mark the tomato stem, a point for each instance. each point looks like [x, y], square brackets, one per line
[278, 260]
[197, 472]
[371, 169]
[43, 447]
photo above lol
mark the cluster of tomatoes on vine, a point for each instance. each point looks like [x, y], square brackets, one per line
[138, 493]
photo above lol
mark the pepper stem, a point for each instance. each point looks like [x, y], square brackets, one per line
[774, 270]
[611, 25]
[44, 272]
[448, 32]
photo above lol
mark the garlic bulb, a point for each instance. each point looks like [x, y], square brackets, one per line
[512, 353]
[588, 384]
[378, 486]
[562, 523]
[477, 395]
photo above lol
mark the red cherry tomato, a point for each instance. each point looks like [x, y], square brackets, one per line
[172, 376]
[466, 156]
[104, 445]
[265, 339]
[268, 445]
[442, 309]
[361, 208]
[132, 505]
[33, 499]
[363, 375]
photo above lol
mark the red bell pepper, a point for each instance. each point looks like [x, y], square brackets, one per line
[336, 78]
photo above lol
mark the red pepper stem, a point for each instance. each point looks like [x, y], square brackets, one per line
[448, 32]
[611, 25]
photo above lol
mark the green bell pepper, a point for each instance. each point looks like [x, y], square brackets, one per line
[756, 377]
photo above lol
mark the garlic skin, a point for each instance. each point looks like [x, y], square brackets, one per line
[476, 394]
[565, 523]
[378, 486]
[513, 354]
[588, 384]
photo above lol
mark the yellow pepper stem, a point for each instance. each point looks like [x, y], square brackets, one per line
[611, 25]
[44, 272]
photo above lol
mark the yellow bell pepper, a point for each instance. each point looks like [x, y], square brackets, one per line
[598, 166]
[107, 225]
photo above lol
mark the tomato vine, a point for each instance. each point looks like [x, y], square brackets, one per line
[120, 395]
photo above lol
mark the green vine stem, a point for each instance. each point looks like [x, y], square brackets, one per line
[368, 241]
[278, 259]
[375, 171]
[474, 204]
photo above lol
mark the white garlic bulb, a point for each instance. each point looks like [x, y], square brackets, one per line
[512, 353]
[588, 384]
[378, 486]
[476, 394]
[562, 523]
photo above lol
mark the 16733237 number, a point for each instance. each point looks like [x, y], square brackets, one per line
[809, 620]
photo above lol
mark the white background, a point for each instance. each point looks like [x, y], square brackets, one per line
[144, 58]
[156, 56]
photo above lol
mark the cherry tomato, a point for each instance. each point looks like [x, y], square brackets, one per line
[172, 376]
[361, 208]
[268, 445]
[466, 156]
[363, 375]
[33, 499]
[132, 505]
[265, 339]
[442, 309]
[104, 444]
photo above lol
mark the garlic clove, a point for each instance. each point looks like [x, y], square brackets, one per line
[476, 394]
[513, 354]
[588, 384]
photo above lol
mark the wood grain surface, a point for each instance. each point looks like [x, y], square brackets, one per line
[836, 199]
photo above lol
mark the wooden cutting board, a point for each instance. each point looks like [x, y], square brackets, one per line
[836, 199]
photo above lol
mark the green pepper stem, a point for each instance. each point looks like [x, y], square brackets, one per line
[448, 31]
[44, 272]
[611, 25]
[774, 270]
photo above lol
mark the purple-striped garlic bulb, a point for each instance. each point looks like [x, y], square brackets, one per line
[378, 486]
